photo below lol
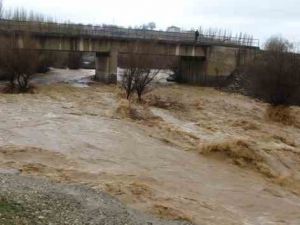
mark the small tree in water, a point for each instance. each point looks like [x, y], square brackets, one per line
[143, 81]
[128, 81]
[139, 73]
[138, 80]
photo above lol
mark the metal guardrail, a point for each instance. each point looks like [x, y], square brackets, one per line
[124, 33]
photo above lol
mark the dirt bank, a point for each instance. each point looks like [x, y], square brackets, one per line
[28, 201]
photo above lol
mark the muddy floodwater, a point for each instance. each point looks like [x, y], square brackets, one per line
[187, 153]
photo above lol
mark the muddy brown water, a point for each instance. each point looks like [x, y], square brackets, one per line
[73, 134]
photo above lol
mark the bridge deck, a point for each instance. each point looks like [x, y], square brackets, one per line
[78, 30]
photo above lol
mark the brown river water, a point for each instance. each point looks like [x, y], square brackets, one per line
[192, 153]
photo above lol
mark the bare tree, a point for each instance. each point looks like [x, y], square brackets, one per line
[19, 62]
[275, 74]
[147, 26]
[141, 70]
[143, 80]
[137, 78]
[128, 81]
[151, 25]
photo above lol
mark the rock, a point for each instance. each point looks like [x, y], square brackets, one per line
[42, 202]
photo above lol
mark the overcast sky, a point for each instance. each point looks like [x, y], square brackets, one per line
[261, 18]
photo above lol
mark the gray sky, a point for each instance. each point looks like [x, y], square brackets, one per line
[261, 18]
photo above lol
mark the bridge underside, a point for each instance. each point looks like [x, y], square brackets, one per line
[215, 66]
[107, 52]
[196, 61]
[190, 68]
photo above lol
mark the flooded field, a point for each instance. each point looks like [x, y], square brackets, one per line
[188, 153]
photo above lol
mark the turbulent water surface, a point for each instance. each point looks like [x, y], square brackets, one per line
[154, 161]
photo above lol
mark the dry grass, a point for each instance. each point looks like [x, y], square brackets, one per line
[140, 190]
[9, 89]
[127, 109]
[164, 102]
[166, 212]
[129, 192]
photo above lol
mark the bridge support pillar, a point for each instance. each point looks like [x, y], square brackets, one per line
[106, 67]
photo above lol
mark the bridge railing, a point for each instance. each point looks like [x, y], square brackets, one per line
[118, 32]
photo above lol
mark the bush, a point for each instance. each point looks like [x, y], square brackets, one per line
[139, 73]
[164, 102]
[18, 63]
[138, 79]
[128, 82]
[274, 76]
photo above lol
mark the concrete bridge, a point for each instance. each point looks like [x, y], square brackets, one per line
[208, 56]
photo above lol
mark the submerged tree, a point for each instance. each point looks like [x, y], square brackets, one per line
[143, 81]
[128, 81]
[141, 70]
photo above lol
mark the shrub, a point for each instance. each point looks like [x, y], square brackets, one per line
[143, 80]
[164, 102]
[128, 82]
[274, 76]
[139, 73]
[18, 63]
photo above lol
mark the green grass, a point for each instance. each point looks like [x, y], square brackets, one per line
[12, 213]
[9, 207]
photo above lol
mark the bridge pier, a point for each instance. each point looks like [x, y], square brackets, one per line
[106, 67]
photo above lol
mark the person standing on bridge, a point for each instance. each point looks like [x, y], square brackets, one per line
[197, 34]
